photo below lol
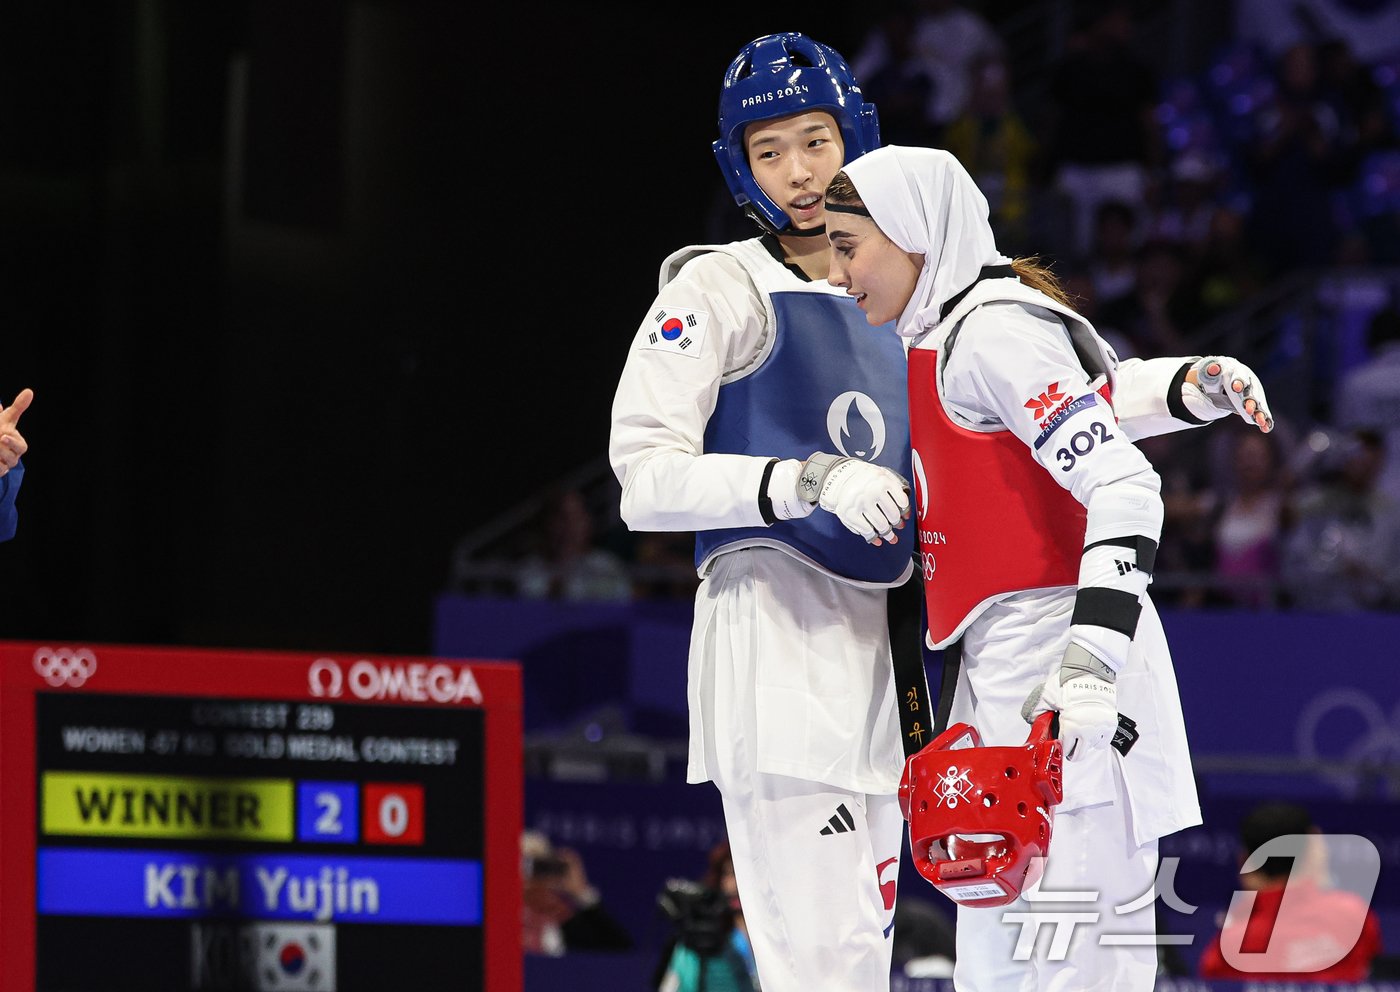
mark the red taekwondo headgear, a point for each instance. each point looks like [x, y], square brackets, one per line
[980, 817]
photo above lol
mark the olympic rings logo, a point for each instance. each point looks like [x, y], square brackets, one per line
[64, 666]
[1348, 724]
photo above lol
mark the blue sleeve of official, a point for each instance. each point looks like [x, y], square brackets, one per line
[9, 489]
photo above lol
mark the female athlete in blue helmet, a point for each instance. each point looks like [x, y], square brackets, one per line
[757, 409]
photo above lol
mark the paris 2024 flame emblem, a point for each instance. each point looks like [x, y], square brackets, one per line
[856, 426]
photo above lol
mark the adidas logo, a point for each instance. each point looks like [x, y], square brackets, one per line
[841, 822]
[1124, 567]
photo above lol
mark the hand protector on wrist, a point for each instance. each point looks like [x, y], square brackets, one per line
[870, 500]
[1214, 395]
[1085, 693]
[783, 494]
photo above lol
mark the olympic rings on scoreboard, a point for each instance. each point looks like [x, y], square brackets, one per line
[64, 666]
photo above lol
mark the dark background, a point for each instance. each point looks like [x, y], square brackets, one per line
[307, 291]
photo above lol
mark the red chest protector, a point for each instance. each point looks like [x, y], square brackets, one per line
[991, 519]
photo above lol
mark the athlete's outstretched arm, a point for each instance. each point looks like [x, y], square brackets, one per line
[1162, 395]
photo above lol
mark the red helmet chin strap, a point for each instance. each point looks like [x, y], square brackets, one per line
[979, 817]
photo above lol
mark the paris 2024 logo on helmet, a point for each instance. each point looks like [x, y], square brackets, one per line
[775, 76]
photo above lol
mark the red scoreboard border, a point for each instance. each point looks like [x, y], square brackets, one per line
[284, 676]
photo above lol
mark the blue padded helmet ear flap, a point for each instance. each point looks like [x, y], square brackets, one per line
[775, 76]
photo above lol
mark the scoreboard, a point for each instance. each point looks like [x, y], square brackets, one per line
[191, 820]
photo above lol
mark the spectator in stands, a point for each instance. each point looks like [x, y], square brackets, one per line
[1103, 138]
[663, 565]
[1227, 272]
[1113, 265]
[1078, 284]
[1368, 396]
[1186, 215]
[901, 82]
[1357, 100]
[994, 144]
[1250, 524]
[1309, 939]
[568, 563]
[710, 951]
[12, 447]
[945, 39]
[1369, 26]
[1159, 313]
[1185, 552]
[1296, 160]
[561, 911]
[1343, 553]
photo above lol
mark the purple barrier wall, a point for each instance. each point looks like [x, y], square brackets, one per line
[1277, 689]
[1286, 685]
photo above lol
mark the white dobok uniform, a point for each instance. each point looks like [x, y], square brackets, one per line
[998, 366]
[790, 684]
[1116, 805]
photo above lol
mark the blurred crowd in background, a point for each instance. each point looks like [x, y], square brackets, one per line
[1251, 207]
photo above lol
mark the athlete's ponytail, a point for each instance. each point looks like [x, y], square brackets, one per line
[1037, 275]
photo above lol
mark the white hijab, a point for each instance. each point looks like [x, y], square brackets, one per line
[925, 202]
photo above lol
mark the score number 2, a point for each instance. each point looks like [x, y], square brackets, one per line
[330, 812]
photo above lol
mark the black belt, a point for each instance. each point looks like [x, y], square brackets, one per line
[907, 626]
[947, 684]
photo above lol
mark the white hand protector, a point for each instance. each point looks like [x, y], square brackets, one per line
[1216, 378]
[1085, 693]
[782, 493]
[870, 500]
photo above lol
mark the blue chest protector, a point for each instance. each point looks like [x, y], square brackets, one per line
[830, 382]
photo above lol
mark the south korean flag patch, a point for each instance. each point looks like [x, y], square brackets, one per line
[289, 957]
[680, 332]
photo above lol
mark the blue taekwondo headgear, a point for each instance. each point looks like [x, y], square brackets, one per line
[774, 76]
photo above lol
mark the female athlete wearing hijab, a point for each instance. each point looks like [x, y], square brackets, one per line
[1038, 524]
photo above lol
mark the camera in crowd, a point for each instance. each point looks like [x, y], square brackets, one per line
[702, 916]
[550, 866]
